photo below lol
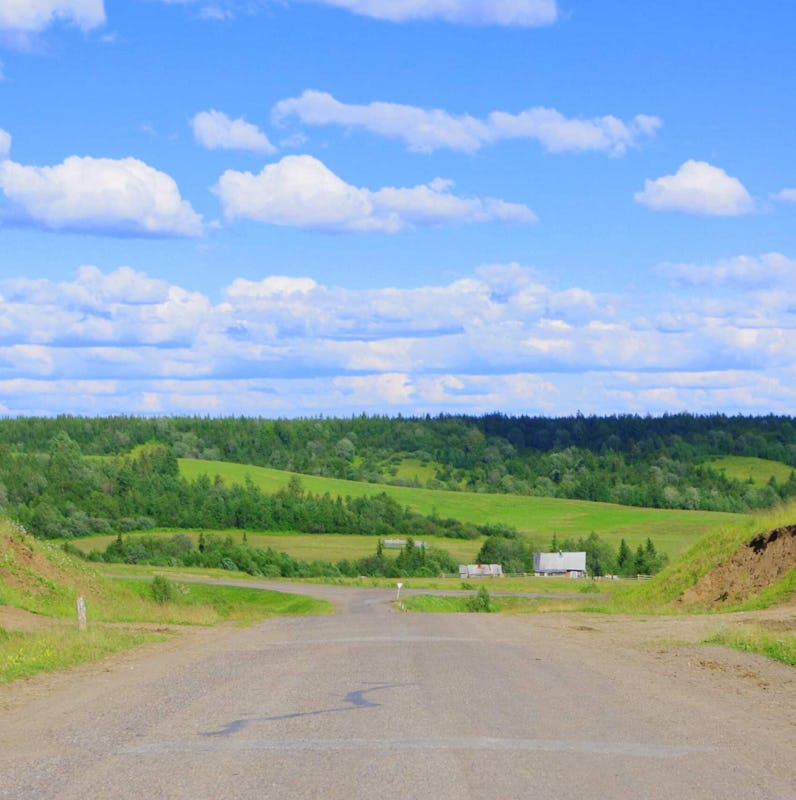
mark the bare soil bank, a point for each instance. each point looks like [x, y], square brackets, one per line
[768, 557]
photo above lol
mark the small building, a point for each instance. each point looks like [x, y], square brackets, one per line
[573, 565]
[480, 570]
[398, 544]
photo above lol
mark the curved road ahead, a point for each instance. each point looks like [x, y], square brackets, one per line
[373, 703]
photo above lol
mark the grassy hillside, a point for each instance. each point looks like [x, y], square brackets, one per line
[39, 587]
[538, 517]
[674, 584]
[757, 471]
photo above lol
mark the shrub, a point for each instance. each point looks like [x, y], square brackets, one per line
[481, 601]
[162, 589]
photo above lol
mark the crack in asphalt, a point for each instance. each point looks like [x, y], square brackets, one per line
[356, 700]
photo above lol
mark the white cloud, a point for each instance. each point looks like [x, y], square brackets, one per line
[288, 345]
[5, 143]
[425, 130]
[215, 130]
[302, 191]
[521, 13]
[697, 188]
[99, 195]
[31, 16]
[788, 195]
[746, 272]
[558, 134]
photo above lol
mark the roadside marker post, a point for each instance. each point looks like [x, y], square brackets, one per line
[82, 623]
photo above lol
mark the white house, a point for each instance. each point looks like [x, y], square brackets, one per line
[573, 565]
[480, 570]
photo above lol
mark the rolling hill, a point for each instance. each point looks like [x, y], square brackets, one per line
[539, 518]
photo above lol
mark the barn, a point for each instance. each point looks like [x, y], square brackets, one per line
[573, 565]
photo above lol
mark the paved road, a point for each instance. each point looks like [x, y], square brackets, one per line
[372, 703]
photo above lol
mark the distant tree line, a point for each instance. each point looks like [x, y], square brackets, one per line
[63, 493]
[222, 552]
[602, 558]
[660, 462]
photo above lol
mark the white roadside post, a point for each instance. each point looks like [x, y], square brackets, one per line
[82, 624]
[398, 593]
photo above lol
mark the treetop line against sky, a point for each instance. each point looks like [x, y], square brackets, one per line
[304, 207]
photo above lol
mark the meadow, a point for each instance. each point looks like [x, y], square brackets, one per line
[756, 471]
[538, 518]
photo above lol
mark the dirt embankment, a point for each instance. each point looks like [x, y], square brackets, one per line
[754, 567]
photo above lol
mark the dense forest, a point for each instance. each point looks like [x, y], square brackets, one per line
[661, 462]
[64, 494]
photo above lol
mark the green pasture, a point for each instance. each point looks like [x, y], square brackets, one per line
[537, 517]
[412, 469]
[757, 471]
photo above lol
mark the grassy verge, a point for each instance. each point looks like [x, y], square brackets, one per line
[24, 654]
[447, 604]
[39, 578]
[60, 646]
[777, 644]
[214, 603]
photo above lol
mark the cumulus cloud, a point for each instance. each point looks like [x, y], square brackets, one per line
[520, 13]
[31, 16]
[501, 338]
[304, 192]
[124, 309]
[426, 130]
[697, 188]
[123, 197]
[5, 143]
[789, 195]
[215, 130]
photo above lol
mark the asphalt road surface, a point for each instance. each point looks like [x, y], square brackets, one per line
[373, 703]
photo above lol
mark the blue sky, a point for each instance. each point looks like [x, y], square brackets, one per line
[304, 207]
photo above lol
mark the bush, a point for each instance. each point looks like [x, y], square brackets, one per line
[162, 589]
[481, 601]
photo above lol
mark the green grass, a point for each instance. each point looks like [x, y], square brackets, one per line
[758, 471]
[538, 518]
[25, 654]
[448, 604]
[777, 644]
[40, 578]
[228, 603]
[659, 595]
[412, 469]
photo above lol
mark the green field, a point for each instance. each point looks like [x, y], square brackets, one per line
[412, 469]
[757, 471]
[537, 517]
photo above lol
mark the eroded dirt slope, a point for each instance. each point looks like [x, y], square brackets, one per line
[767, 558]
